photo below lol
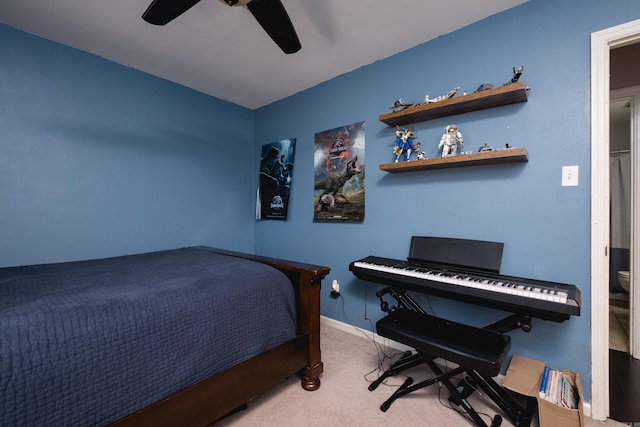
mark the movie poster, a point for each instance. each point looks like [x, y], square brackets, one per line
[276, 174]
[339, 174]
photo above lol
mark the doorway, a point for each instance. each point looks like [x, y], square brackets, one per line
[602, 43]
[624, 163]
[620, 153]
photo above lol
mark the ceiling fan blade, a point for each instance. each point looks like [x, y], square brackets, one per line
[161, 12]
[272, 16]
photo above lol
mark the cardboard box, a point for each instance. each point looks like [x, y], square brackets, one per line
[524, 375]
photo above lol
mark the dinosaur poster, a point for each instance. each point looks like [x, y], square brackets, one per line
[339, 174]
[276, 173]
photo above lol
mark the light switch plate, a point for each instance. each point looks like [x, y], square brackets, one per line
[570, 176]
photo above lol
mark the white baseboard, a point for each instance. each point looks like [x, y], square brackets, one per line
[389, 343]
[359, 332]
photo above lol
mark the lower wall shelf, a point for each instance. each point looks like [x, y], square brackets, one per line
[509, 155]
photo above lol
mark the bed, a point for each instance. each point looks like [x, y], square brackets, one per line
[175, 337]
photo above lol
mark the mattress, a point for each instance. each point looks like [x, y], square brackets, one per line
[88, 342]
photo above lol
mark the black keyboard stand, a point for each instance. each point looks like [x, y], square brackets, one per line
[408, 359]
[411, 326]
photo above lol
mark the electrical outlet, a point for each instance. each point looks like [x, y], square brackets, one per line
[335, 289]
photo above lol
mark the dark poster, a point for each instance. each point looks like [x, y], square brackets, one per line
[339, 174]
[276, 174]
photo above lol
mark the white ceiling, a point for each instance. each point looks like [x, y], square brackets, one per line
[223, 51]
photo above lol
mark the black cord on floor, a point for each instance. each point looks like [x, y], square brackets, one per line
[385, 358]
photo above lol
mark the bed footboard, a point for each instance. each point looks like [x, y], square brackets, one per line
[306, 279]
[215, 397]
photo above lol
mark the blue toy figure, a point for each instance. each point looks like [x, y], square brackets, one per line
[404, 144]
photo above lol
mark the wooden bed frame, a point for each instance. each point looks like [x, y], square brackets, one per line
[217, 396]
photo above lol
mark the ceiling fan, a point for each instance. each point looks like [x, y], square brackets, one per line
[270, 14]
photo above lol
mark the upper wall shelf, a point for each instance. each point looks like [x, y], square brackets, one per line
[503, 95]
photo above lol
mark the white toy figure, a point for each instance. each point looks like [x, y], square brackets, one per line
[450, 140]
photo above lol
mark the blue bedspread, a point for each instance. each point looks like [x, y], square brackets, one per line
[85, 343]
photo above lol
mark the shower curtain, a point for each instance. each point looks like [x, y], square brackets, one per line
[620, 170]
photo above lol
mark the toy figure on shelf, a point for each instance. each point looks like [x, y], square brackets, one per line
[485, 148]
[517, 72]
[448, 95]
[400, 105]
[450, 140]
[404, 144]
[410, 145]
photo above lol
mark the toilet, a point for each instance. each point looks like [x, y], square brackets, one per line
[624, 279]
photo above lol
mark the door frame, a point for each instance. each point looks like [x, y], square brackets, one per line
[601, 44]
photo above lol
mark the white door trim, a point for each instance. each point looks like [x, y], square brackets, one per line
[601, 44]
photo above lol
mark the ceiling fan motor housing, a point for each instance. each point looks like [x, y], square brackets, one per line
[235, 2]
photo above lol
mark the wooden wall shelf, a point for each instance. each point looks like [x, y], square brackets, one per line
[503, 95]
[509, 155]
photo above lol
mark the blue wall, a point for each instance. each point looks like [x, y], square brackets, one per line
[97, 159]
[545, 227]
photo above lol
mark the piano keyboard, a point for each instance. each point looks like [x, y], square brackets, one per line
[477, 282]
[538, 298]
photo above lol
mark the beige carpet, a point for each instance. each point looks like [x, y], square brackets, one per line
[350, 362]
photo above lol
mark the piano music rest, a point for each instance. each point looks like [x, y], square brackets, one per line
[474, 350]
